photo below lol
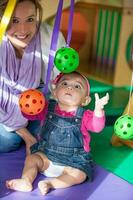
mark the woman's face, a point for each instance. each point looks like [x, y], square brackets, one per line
[23, 25]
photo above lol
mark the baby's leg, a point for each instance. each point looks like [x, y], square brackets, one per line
[71, 176]
[33, 164]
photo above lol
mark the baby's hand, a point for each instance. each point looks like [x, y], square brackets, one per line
[100, 103]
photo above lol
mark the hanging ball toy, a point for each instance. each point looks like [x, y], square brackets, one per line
[66, 60]
[123, 127]
[31, 102]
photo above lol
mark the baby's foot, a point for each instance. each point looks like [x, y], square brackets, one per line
[44, 187]
[22, 185]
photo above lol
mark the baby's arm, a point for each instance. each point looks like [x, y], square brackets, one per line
[99, 104]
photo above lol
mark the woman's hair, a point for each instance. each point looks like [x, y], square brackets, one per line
[3, 4]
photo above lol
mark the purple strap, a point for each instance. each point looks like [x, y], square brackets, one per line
[69, 35]
[55, 38]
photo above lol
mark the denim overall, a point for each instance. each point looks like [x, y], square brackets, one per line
[62, 140]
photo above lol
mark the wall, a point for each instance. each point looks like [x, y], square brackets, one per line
[117, 3]
[89, 9]
[50, 7]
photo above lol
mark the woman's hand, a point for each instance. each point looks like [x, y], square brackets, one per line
[27, 137]
[100, 103]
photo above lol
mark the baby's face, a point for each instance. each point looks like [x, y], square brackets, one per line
[71, 90]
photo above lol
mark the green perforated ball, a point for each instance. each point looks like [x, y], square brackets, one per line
[123, 127]
[66, 60]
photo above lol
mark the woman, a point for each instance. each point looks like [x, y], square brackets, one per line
[23, 64]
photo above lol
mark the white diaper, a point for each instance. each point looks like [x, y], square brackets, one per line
[54, 170]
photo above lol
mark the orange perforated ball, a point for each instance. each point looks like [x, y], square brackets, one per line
[32, 102]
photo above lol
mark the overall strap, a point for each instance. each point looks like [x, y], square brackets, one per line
[51, 105]
[80, 112]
